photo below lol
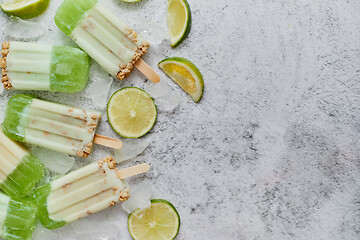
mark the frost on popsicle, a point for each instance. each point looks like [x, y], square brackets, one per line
[50, 125]
[110, 42]
[20, 170]
[80, 193]
[18, 218]
[30, 66]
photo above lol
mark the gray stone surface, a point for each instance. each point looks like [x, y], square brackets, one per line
[272, 151]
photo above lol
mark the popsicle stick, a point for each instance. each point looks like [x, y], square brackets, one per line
[147, 71]
[107, 142]
[132, 171]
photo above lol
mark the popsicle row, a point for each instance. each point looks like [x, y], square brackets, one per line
[78, 194]
[110, 42]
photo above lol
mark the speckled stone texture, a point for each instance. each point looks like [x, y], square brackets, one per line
[272, 151]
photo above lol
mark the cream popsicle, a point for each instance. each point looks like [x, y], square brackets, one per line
[54, 126]
[17, 218]
[19, 169]
[110, 42]
[82, 192]
[31, 66]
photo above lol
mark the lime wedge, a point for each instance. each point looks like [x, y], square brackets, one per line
[185, 74]
[179, 21]
[25, 8]
[131, 112]
[160, 221]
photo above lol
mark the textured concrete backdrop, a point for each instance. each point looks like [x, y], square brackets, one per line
[272, 151]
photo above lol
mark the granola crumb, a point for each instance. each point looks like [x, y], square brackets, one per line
[110, 162]
[125, 70]
[124, 195]
[3, 64]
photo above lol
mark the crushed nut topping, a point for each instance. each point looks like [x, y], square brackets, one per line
[124, 195]
[125, 70]
[3, 64]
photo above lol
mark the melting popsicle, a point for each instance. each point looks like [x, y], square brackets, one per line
[31, 66]
[17, 218]
[110, 42]
[51, 125]
[19, 169]
[82, 192]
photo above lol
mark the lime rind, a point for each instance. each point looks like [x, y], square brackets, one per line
[112, 123]
[176, 40]
[195, 72]
[154, 201]
[26, 11]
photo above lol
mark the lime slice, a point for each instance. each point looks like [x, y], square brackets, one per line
[25, 8]
[131, 112]
[160, 221]
[185, 74]
[179, 21]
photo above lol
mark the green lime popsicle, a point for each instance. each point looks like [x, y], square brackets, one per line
[19, 170]
[110, 42]
[30, 66]
[50, 125]
[17, 218]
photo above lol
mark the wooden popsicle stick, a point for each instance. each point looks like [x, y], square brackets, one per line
[132, 171]
[147, 71]
[107, 142]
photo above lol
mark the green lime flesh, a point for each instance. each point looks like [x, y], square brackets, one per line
[20, 219]
[14, 115]
[41, 195]
[70, 68]
[22, 180]
[71, 12]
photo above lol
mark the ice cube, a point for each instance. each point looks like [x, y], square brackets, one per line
[42, 233]
[166, 98]
[98, 226]
[18, 29]
[131, 148]
[149, 29]
[140, 197]
[169, 102]
[57, 162]
[160, 89]
[99, 86]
